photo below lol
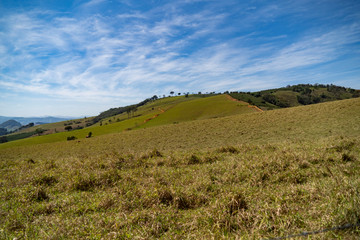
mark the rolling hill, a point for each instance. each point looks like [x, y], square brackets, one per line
[27, 120]
[159, 112]
[296, 95]
[172, 110]
[213, 174]
[10, 125]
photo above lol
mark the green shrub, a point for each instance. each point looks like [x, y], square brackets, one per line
[70, 138]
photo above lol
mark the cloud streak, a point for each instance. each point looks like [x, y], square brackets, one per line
[137, 54]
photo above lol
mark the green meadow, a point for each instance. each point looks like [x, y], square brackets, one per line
[204, 168]
[161, 112]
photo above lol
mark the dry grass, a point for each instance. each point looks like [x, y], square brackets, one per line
[253, 176]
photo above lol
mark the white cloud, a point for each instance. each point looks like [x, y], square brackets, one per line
[133, 55]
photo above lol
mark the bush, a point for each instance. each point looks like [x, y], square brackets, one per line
[3, 139]
[71, 138]
[68, 128]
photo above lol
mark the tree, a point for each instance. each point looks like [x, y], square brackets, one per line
[131, 110]
[71, 138]
[39, 131]
[68, 128]
[3, 139]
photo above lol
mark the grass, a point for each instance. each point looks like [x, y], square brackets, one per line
[247, 176]
[177, 109]
[203, 108]
[56, 127]
[152, 107]
[288, 97]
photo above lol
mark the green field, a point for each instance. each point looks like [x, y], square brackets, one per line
[169, 111]
[203, 108]
[253, 175]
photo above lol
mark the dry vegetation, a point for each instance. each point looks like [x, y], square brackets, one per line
[250, 176]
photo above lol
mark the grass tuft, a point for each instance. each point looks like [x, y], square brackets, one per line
[84, 183]
[348, 158]
[193, 159]
[46, 180]
[154, 153]
[237, 203]
[229, 149]
[39, 194]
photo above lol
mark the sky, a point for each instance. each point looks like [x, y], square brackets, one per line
[79, 58]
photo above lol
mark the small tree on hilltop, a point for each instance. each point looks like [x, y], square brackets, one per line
[68, 128]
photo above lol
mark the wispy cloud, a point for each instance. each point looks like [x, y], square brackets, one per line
[136, 54]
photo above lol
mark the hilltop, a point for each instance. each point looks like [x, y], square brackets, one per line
[10, 125]
[296, 95]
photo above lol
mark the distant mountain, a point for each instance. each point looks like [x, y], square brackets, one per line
[10, 125]
[27, 120]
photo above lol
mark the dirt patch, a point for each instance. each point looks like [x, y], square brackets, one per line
[155, 116]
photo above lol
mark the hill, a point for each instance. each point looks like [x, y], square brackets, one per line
[172, 110]
[27, 120]
[297, 95]
[253, 175]
[10, 125]
[154, 113]
[203, 108]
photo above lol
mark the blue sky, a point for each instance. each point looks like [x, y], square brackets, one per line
[78, 58]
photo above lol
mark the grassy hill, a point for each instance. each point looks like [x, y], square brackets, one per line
[252, 176]
[188, 108]
[159, 112]
[203, 108]
[297, 95]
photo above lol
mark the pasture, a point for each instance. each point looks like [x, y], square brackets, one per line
[253, 175]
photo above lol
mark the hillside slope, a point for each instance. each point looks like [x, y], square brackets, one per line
[155, 113]
[296, 95]
[250, 176]
[295, 124]
[203, 108]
